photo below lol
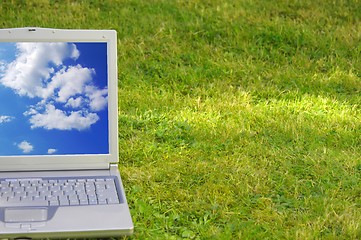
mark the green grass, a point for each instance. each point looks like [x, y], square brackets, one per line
[237, 119]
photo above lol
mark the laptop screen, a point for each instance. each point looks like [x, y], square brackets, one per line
[53, 98]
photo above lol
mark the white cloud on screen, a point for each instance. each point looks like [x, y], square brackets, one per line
[98, 98]
[52, 151]
[5, 119]
[69, 82]
[2, 68]
[28, 73]
[74, 103]
[39, 72]
[52, 118]
[25, 147]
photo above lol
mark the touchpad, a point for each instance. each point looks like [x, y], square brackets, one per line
[26, 214]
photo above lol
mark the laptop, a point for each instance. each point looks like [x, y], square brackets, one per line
[59, 174]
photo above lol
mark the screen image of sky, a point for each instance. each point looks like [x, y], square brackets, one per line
[53, 98]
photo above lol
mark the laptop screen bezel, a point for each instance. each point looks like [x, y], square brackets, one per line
[78, 161]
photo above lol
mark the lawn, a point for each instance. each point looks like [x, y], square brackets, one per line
[237, 119]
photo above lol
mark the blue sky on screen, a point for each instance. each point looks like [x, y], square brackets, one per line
[53, 98]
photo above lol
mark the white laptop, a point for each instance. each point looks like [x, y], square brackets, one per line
[59, 135]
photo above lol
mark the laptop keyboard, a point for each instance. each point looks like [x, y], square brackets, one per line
[58, 192]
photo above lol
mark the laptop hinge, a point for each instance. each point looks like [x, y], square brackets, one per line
[113, 167]
[54, 167]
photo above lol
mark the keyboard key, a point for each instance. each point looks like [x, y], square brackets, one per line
[93, 201]
[74, 202]
[54, 203]
[83, 201]
[64, 202]
[112, 200]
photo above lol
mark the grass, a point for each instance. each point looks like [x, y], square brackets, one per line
[237, 119]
